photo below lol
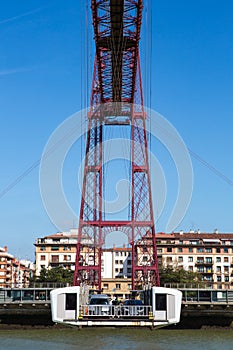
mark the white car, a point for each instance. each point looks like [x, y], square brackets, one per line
[100, 305]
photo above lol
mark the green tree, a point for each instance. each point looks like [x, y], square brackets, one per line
[57, 274]
[169, 275]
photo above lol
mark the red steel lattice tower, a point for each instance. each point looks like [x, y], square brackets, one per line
[116, 99]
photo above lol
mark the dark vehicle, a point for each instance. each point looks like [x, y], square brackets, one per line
[133, 307]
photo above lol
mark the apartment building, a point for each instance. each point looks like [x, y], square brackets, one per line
[56, 250]
[116, 262]
[116, 271]
[14, 273]
[210, 254]
[60, 250]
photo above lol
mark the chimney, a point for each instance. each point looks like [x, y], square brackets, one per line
[181, 232]
[5, 249]
[216, 231]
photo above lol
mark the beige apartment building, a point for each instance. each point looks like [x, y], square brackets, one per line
[14, 273]
[56, 250]
[210, 254]
[60, 250]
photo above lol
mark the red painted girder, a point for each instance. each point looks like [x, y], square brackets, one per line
[117, 25]
[116, 223]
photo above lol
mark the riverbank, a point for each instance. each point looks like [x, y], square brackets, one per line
[31, 315]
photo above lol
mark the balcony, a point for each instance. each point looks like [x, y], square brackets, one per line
[202, 262]
[208, 271]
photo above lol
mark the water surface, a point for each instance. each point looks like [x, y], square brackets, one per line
[115, 339]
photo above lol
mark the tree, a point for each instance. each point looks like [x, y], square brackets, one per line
[57, 274]
[169, 275]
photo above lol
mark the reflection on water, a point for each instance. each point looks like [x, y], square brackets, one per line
[116, 339]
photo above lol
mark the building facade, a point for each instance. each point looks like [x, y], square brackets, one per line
[14, 273]
[56, 250]
[60, 250]
[210, 254]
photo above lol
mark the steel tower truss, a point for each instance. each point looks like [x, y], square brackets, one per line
[116, 99]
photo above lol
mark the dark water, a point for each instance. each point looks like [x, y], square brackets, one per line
[116, 339]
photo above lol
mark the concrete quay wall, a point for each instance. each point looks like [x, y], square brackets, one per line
[193, 315]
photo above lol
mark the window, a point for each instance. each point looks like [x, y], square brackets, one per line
[105, 286]
[169, 259]
[190, 268]
[190, 259]
[208, 250]
[226, 259]
[42, 257]
[169, 249]
[71, 301]
[209, 278]
[42, 248]
[118, 286]
[129, 286]
[226, 278]
[67, 257]
[145, 258]
[219, 278]
[129, 262]
[129, 270]
[55, 259]
[218, 259]
[218, 269]
[180, 259]
[54, 247]
[200, 269]
[209, 270]
[180, 250]
[200, 250]
[225, 250]
[218, 250]
[190, 250]
[208, 260]
[161, 302]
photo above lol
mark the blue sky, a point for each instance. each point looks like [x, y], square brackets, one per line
[41, 76]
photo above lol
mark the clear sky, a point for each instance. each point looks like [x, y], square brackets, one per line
[41, 77]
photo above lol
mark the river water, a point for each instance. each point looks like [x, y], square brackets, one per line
[115, 339]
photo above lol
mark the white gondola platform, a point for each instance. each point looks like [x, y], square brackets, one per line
[70, 306]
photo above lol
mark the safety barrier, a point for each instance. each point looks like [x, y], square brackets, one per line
[115, 311]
